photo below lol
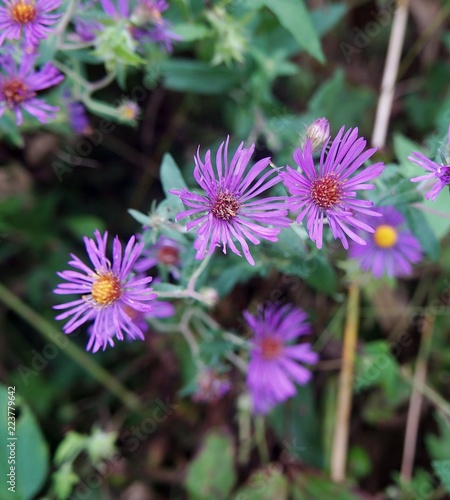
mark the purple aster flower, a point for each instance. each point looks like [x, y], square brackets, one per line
[19, 85]
[30, 17]
[106, 291]
[273, 366]
[165, 252]
[140, 319]
[389, 250]
[329, 190]
[439, 173]
[225, 213]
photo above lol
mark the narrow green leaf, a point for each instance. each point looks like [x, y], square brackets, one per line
[170, 175]
[294, 16]
[442, 470]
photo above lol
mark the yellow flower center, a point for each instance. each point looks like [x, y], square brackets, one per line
[385, 236]
[271, 348]
[23, 11]
[106, 289]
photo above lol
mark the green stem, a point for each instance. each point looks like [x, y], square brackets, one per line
[196, 275]
[53, 335]
[260, 436]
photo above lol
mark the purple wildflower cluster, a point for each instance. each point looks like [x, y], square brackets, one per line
[233, 209]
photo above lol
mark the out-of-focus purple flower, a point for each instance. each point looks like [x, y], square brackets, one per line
[211, 386]
[30, 17]
[78, 118]
[273, 366]
[225, 213]
[122, 10]
[106, 291]
[389, 249]
[86, 30]
[165, 252]
[329, 191]
[319, 133]
[150, 26]
[20, 84]
[160, 309]
[440, 173]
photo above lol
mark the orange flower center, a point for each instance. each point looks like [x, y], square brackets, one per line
[23, 11]
[271, 348]
[225, 206]
[385, 236]
[106, 289]
[15, 91]
[168, 255]
[326, 191]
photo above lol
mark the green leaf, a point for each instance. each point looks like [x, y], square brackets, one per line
[442, 470]
[297, 425]
[139, 216]
[403, 148]
[170, 175]
[31, 454]
[84, 225]
[211, 474]
[64, 479]
[421, 229]
[198, 77]
[438, 446]
[70, 447]
[294, 16]
[327, 101]
[307, 487]
[265, 484]
[191, 32]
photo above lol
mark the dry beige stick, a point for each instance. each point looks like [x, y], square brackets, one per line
[390, 74]
[415, 402]
[345, 389]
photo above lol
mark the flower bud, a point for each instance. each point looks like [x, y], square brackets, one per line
[319, 133]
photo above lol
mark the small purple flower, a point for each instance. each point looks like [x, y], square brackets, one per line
[329, 190]
[440, 173]
[389, 249]
[225, 213]
[19, 85]
[160, 309]
[273, 366]
[30, 17]
[165, 252]
[106, 291]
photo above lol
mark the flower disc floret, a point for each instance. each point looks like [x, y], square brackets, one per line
[327, 192]
[385, 236]
[227, 211]
[108, 292]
